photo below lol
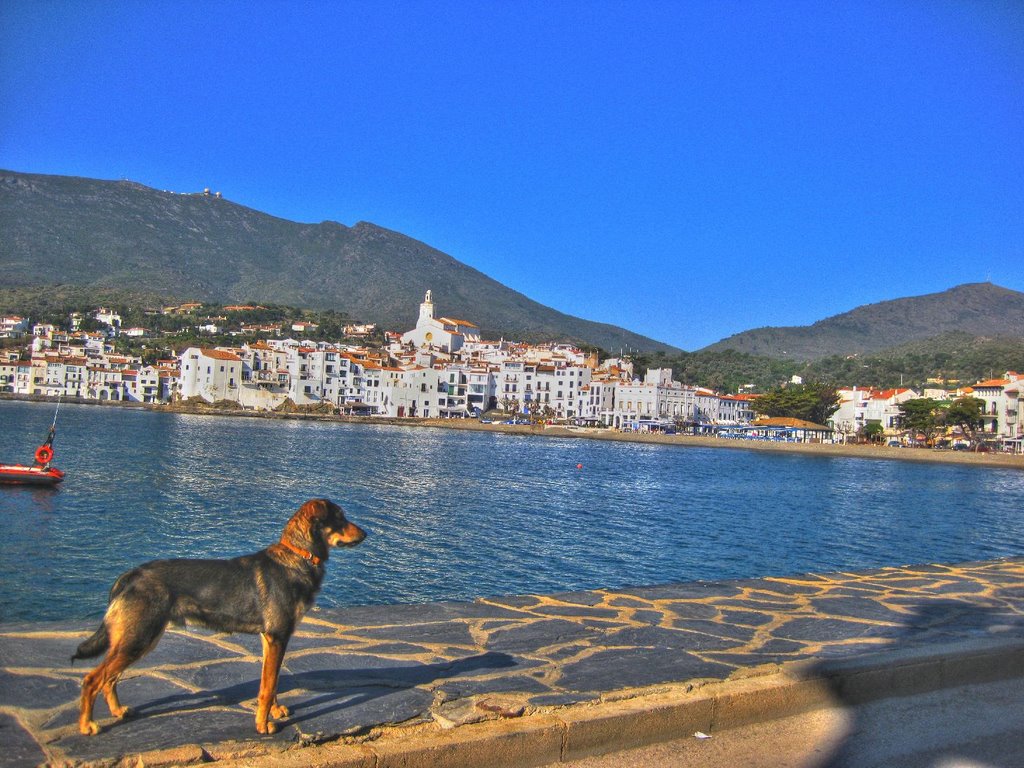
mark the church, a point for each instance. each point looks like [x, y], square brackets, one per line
[443, 334]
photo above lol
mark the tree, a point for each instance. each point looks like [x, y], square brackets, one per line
[966, 413]
[921, 415]
[813, 401]
[509, 404]
[873, 432]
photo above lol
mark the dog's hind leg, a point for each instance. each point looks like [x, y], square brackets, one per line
[110, 694]
[103, 678]
[129, 641]
[266, 701]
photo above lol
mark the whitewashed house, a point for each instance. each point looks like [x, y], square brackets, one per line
[211, 374]
[657, 402]
[561, 388]
[1001, 397]
[104, 382]
[883, 407]
[8, 375]
[859, 407]
[13, 326]
[415, 391]
[597, 400]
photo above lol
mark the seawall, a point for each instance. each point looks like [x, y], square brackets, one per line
[529, 679]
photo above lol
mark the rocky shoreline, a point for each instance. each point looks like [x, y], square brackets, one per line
[850, 450]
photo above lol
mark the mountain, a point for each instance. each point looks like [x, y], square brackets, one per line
[201, 247]
[980, 309]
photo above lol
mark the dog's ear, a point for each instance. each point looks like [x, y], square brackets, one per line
[308, 519]
[314, 509]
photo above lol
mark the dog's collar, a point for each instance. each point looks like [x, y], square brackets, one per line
[301, 552]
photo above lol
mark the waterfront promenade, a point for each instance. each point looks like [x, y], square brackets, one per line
[527, 680]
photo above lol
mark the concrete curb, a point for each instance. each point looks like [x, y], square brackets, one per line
[640, 718]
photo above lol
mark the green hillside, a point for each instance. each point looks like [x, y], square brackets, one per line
[199, 247]
[978, 309]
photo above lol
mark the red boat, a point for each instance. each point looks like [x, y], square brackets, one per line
[19, 474]
[40, 473]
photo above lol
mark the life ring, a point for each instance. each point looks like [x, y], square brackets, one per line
[43, 454]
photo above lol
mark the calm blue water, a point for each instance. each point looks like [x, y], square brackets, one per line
[458, 515]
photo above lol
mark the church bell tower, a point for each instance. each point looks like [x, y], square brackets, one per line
[426, 310]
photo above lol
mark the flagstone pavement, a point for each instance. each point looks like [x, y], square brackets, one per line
[353, 674]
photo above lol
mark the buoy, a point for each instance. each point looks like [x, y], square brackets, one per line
[579, 466]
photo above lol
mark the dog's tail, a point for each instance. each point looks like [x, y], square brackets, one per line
[99, 642]
[94, 646]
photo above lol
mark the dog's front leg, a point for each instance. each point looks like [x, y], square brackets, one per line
[266, 701]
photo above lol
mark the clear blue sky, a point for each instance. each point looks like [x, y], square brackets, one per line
[687, 170]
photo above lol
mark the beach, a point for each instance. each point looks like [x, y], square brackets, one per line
[851, 450]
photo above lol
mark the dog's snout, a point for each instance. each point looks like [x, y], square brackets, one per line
[354, 532]
[349, 535]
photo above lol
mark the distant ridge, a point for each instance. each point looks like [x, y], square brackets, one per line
[979, 309]
[121, 234]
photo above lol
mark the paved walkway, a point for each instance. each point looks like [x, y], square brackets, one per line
[386, 676]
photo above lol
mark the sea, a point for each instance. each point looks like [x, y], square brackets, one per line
[459, 515]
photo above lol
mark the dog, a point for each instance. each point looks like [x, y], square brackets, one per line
[266, 593]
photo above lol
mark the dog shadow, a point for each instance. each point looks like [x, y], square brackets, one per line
[329, 690]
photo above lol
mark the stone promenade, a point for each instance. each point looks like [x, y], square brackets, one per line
[542, 677]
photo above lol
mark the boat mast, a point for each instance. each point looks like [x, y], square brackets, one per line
[53, 427]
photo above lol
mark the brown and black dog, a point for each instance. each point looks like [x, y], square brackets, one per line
[265, 593]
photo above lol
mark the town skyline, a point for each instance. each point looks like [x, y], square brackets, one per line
[443, 369]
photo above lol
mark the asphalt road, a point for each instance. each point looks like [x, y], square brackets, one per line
[978, 726]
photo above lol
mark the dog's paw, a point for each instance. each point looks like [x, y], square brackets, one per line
[279, 710]
[123, 713]
[268, 728]
[88, 728]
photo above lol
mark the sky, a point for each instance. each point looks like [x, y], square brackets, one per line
[686, 170]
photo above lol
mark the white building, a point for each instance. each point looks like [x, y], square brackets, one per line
[148, 384]
[597, 400]
[883, 407]
[658, 402]
[414, 391]
[13, 326]
[444, 333]
[108, 317]
[859, 407]
[211, 374]
[1001, 414]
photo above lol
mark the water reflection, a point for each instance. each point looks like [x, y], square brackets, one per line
[456, 515]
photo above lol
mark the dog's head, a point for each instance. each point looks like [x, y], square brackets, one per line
[320, 524]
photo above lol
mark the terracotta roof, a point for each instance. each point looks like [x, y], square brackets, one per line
[886, 394]
[454, 321]
[218, 354]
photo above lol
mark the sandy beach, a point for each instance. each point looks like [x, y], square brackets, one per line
[818, 449]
